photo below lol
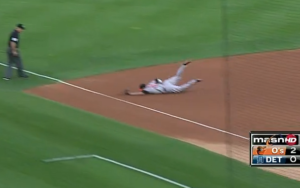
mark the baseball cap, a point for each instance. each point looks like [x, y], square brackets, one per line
[21, 26]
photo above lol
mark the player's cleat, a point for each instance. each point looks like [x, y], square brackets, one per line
[4, 78]
[186, 63]
[198, 80]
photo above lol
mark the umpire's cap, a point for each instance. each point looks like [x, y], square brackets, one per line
[21, 26]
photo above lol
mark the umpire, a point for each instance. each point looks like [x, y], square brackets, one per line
[13, 53]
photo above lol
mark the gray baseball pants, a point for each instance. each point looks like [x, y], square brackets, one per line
[14, 60]
[170, 84]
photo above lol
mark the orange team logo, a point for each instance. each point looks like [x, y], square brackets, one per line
[261, 149]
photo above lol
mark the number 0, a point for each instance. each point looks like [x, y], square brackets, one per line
[274, 150]
[293, 159]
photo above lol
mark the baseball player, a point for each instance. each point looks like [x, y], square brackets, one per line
[157, 86]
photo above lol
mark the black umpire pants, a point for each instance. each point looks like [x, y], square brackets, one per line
[14, 60]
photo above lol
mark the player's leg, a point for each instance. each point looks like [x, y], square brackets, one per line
[185, 86]
[181, 69]
[9, 69]
[19, 65]
[175, 79]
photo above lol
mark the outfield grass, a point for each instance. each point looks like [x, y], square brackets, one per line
[71, 39]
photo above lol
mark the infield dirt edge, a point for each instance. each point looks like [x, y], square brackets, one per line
[212, 89]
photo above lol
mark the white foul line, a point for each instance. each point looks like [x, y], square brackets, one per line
[134, 104]
[117, 163]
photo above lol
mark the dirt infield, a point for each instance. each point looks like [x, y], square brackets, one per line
[263, 96]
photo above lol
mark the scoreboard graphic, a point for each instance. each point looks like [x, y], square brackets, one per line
[275, 148]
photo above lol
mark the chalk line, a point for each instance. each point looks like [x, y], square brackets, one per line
[116, 163]
[133, 104]
[68, 158]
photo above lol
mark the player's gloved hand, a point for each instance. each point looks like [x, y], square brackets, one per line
[126, 92]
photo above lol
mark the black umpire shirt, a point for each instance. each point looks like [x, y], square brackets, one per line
[14, 37]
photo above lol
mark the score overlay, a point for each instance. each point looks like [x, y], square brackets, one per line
[275, 148]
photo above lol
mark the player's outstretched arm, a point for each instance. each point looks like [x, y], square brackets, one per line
[127, 92]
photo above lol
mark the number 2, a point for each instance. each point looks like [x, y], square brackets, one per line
[293, 150]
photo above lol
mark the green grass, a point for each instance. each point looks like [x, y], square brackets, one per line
[71, 39]
[91, 38]
[52, 130]
[83, 173]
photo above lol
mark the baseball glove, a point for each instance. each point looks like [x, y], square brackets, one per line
[126, 92]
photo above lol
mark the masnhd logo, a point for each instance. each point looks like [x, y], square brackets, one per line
[291, 139]
[280, 139]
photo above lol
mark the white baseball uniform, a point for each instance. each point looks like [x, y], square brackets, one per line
[169, 85]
